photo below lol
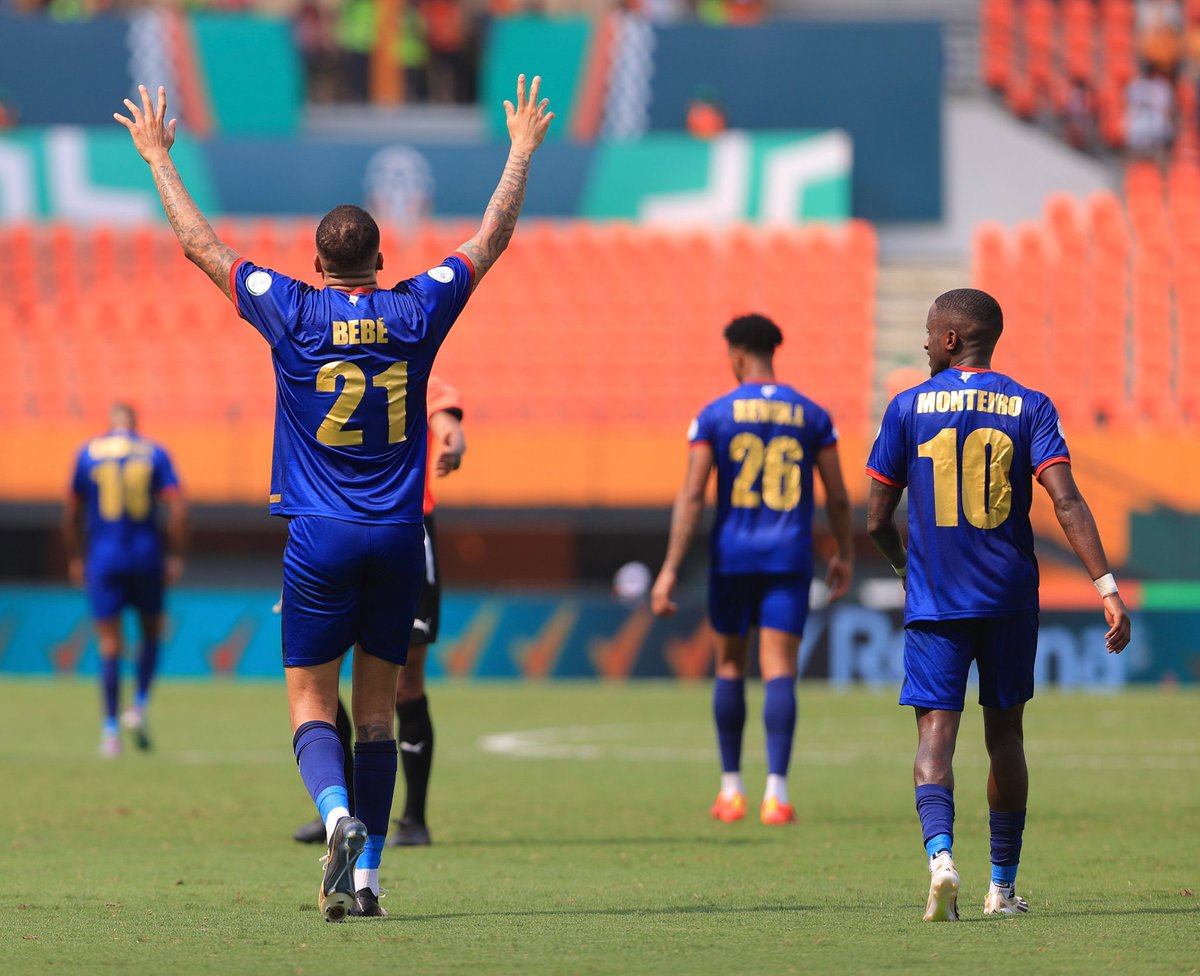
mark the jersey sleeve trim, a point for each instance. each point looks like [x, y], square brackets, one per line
[871, 472]
[170, 491]
[700, 442]
[468, 262]
[1048, 463]
[233, 283]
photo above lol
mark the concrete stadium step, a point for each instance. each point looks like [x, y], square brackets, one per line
[904, 290]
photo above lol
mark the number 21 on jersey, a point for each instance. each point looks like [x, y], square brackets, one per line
[394, 380]
[985, 463]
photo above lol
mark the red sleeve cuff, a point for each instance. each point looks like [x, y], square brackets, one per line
[233, 283]
[700, 442]
[871, 472]
[1048, 462]
[468, 262]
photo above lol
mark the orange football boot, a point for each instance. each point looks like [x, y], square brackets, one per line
[729, 809]
[773, 812]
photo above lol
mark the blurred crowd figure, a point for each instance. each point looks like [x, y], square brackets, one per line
[437, 43]
[1151, 115]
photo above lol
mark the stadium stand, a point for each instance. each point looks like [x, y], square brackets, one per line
[593, 335]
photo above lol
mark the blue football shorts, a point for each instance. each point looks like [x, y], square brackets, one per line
[110, 590]
[347, 583]
[938, 655]
[739, 601]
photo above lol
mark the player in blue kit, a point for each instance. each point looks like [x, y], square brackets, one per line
[967, 444]
[764, 439]
[120, 478]
[351, 362]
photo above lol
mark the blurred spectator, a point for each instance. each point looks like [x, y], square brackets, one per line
[448, 34]
[8, 112]
[1149, 115]
[315, 39]
[1079, 115]
[705, 116]
[1160, 35]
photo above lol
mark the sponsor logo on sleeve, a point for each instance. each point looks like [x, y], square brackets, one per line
[693, 429]
[257, 282]
[441, 273]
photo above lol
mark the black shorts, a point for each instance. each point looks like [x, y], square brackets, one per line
[429, 604]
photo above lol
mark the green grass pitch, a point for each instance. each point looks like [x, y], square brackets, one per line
[571, 835]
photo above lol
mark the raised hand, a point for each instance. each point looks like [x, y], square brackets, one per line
[151, 135]
[528, 120]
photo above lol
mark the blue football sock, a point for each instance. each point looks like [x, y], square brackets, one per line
[147, 667]
[1008, 829]
[779, 720]
[935, 807]
[729, 711]
[319, 756]
[375, 765]
[110, 683]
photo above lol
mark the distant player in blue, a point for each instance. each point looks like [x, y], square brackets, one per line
[764, 439]
[118, 553]
[967, 444]
[351, 366]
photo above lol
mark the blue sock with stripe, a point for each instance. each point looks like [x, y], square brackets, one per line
[935, 807]
[375, 766]
[779, 720]
[1008, 829]
[147, 667]
[319, 756]
[110, 684]
[729, 712]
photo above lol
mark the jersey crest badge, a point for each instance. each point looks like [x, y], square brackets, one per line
[258, 282]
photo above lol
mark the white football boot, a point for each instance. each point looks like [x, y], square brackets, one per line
[943, 890]
[1004, 900]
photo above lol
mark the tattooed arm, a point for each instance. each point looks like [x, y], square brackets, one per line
[153, 138]
[528, 121]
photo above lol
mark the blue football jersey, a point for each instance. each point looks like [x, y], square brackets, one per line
[968, 443]
[350, 375]
[765, 438]
[119, 478]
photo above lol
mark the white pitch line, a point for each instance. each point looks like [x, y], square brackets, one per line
[604, 742]
[250, 757]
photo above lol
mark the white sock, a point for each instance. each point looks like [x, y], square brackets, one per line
[731, 783]
[367, 878]
[777, 788]
[331, 820]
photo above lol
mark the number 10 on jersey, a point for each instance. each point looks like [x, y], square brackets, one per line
[987, 457]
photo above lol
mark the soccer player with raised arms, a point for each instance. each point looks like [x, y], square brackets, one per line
[352, 363]
[764, 440]
[967, 444]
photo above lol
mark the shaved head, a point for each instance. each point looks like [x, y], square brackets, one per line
[121, 416]
[348, 240]
[973, 314]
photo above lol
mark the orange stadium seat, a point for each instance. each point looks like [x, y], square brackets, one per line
[613, 327]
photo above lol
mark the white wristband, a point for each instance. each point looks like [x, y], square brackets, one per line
[901, 571]
[1105, 585]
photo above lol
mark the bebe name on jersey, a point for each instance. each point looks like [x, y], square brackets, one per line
[956, 401]
[358, 332]
[768, 412]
